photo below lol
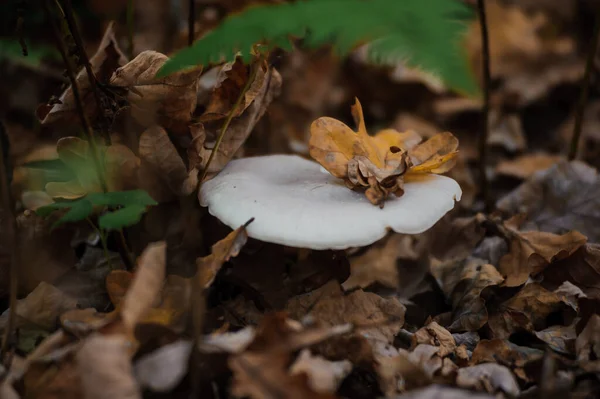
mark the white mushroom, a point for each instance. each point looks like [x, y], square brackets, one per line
[295, 204]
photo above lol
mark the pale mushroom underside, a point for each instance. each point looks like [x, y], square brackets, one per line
[295, 204]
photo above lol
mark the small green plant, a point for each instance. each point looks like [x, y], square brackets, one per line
[425, 34]
[129, 206]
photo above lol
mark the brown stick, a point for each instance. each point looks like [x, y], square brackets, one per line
[483, 137]
[12, 243]
[585, 90]
[72, 24]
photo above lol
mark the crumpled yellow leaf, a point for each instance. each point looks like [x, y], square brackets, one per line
[378, 163]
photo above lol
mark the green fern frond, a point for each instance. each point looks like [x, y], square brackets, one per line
[424, 33]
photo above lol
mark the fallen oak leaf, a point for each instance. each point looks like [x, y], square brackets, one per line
[377, 164]
[532, 251]
[168, 101]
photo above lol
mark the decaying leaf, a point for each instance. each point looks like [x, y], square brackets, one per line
[324, 376]
[159, 158]
[104, 62]
[531, 251]
[436, 335]
[146, 285]
[557, 200]
[582, 269]
[443, 392]
[261, 370]
[379, 319]
[262, 91]
[42, 307]
[463, 282]
[527, 310]
[377, 163]
[168, 101]
[507, 353]
[105, 370]
[222, 251]
[490, 377]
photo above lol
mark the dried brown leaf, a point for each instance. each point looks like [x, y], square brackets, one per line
[104, 62]
[435, 335]
[160, 158]
[146, 285]
[324, 376]
[168, 101]
[581, 269]
[530, 252]
[222, 251]
[587, 345]
[42, 307]
[463, 282]
[104, 366]
[261, 93]
[490, 377]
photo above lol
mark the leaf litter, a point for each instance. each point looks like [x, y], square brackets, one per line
[482, 305]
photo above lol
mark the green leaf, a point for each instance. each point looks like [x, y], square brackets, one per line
[424, 34]
[123, 217]
[54, 170]
[122, 198]
[133, 203]
[78, 210]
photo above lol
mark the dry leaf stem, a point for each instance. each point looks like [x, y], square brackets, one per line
[87, 127]
[72, 24]
[11, 226]
[483, 137]
[230, 118]
[191, 21]
[585, 89]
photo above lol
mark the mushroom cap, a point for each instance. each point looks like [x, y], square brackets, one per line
[295, 204]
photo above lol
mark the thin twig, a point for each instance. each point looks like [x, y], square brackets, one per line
[191, 21]
[229, 119]
[87, 127]
[68, 13]
[483, 137]
[123, 250]
[585, 90]
[130, 28]
[11, 243]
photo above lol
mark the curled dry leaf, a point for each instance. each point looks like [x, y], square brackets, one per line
[324, 376]
[222, 251]
[581, 269]
[261, 370]
[463, 282]
[435, 335]
[104, 366]
[168, 101]
[531, 251]
[146, 285]
[104, 62]
[41, 307]
[490, 377]
[162, 166]
[377, 164]
[527, 310]
[265, 87]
